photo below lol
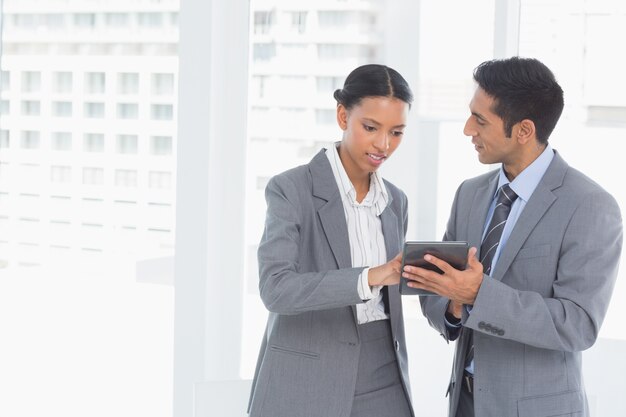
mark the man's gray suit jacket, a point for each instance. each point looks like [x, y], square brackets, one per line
[309, 355]
[546, 300]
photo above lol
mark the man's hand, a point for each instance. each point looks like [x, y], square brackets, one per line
[461, 287]
[386, 274]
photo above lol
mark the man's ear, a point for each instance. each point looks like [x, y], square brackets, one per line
[525, 131]
[342, 117]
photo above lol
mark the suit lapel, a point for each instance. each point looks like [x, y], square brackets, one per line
[390, 223]
[391, 234]
[537, 206]
[480, 207]
[330, 209]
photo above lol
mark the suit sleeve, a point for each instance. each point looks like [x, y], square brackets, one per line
[283, 288]
[570, 319]
[433, 306]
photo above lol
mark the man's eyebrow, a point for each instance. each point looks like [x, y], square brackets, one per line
[478, 115]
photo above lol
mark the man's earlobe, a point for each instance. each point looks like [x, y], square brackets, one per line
[526, 131]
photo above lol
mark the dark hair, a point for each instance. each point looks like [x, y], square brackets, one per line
[373, 80]
[523, 88]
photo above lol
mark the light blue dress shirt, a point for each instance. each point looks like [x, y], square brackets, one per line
[524, 185]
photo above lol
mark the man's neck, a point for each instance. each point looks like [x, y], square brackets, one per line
[513, 169]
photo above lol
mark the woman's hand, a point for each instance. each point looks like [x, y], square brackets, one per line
[386, 274]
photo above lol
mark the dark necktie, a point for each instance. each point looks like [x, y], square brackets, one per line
[491, 241]
[488, 248]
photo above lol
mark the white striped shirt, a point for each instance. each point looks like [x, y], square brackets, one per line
[367, 243]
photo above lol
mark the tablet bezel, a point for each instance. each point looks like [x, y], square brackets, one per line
[453, 252]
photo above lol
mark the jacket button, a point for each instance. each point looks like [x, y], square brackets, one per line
[501, 332]
[396, 344]
[481, 325]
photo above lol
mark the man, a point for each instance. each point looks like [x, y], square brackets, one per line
[545, 246]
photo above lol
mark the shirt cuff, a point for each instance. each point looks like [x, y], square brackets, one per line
[365, 291]
[451, 321]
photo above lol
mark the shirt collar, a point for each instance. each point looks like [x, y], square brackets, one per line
[525, 183]
[377, 195]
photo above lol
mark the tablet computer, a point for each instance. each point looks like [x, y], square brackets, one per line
[454, 253]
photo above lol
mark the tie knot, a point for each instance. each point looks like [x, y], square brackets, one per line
[506, 196]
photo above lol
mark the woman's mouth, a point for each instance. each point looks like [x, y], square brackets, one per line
[376, 159]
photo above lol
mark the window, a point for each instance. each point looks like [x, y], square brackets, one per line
[162, 112]
[161, 145]
[4, 139]
[62, 108]
[85, 20]
[263, 22]
[31, 82]
[93, 142]
[125, 178]
[333, 19]
[160, 180]
[150, 20]
[93, 176]
[29, 139]
[127, 144]
[61, 141]
[61, 174]
[31, 108]
[258, 85]
[116, 20]
[5, 79]
[5, 107]
[62, 82]
[264, 51]
[94, 82]
[54, 21]
[94, 110]
[298, 21]
[127, 111]
[128, 83]
[162, 84]
[173, 18]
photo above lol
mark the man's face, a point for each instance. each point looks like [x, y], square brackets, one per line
[487, 132]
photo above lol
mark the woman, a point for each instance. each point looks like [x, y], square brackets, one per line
[334, 344]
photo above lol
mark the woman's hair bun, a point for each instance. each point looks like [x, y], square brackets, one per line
[338, 94]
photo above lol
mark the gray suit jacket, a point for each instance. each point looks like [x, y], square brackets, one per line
[309, 356]
[547, 298]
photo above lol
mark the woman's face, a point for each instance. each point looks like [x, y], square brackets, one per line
[372, 130]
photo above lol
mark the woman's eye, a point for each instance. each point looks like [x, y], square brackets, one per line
[397, 133]
[369, 128]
